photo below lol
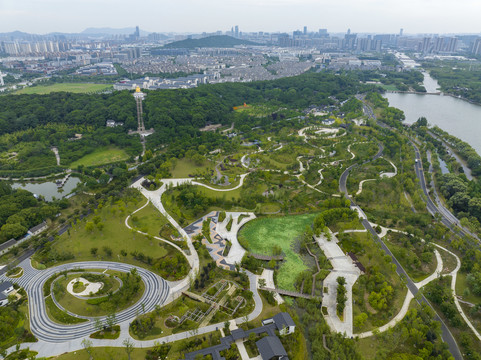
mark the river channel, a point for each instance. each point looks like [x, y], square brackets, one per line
[458, 117]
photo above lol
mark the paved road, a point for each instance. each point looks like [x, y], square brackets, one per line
[156, 293]
[447, 218]
[446, 334]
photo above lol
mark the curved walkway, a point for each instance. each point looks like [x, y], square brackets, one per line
[407, 300]
[453, 275]
[156, 293]
[360, 185]
[389, 174]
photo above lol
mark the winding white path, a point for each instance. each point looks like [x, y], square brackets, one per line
[453, 275]
[360, 185]
[407, 300]
[389, 174]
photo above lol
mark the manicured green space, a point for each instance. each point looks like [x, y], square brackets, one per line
[449, 262]
[261, 235]
[390, 87]
[59, 316]
[98, 305]
[461, 285]
[14, 273]
[67, 87]
[113, 241]
[185, 167]
[109, 334]
[152, 222]
[270, 208]
[102, 156]
[174, 350]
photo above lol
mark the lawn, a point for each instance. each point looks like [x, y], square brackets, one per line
[177, 349]
[390, 87]
[82, 307]
[115, 242]
[185, 167]
[105, 155]
[152, 222]
[462, 284]
[67, 87]
[261, 235]
[59, 316]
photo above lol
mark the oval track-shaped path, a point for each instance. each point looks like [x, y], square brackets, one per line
[156, 293]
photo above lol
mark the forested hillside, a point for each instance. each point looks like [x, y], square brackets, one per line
[222, 41]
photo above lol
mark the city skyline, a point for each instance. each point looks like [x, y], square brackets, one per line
[189, 16]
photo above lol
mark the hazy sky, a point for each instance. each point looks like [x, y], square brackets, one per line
[415, 16]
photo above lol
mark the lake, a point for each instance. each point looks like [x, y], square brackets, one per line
[458, 117]
[48, 190]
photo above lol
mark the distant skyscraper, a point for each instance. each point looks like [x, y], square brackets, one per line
[348, 31]
[237, 31]
[476, 48]
[137, 32]
[305, 30]
[401, 32]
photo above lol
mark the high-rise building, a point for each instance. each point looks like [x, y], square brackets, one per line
[305, 30]
[401, 32]
[137, 32]
[237, 31]
[476, 49]
[323, 33]
[451, 45]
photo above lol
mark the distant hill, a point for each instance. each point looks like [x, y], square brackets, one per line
[220, 41]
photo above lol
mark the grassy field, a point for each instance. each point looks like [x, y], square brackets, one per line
[390, 87]
[101, 156]
[151, 221]
[79, 241]
[59, 316]
[462, 284]
[67, 87]
[178, 348]
[262, 235]
[185, 167]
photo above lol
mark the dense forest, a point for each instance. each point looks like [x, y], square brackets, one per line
[20, 210]
[172, 110]
[22, 112]
[460, 79]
